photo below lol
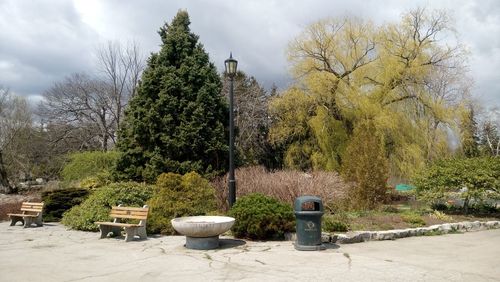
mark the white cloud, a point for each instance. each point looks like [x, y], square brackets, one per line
[50, 39]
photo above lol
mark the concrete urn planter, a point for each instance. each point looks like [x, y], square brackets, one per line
[202, 232]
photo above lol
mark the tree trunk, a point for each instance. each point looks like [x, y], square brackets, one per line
[466, 205]
[105, 141]
[4, 182]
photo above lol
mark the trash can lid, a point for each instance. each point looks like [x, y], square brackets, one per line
[306, 199]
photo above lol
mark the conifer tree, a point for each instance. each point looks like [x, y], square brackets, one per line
[176, 122]
[469, 134]
[365, 163]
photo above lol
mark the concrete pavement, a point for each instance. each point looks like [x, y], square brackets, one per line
[52, 253]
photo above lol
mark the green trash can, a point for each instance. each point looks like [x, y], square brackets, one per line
[308, 213]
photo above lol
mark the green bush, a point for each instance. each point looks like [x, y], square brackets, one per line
[98, 205]
[365, 163]
[98, 180]
[473, 180]
[413, 218]
[179, 195]
[89, 164]
[59, 201]
[261, 217]
[333, 223]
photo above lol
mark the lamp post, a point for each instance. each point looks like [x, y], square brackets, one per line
[231, 65]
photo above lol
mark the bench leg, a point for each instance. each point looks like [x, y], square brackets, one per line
[15, 219]
[117, 231]
[141, 231]
[130, 233]
[105, 229]
[27, 222]
[39, 220]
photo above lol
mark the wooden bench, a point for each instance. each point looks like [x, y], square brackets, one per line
[31, 213]
[131, 230]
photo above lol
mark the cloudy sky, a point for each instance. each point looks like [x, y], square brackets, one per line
[42, 41]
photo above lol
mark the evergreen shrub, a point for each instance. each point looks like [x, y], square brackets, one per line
[89, 164]
[58, 201]
[366, 164]
[98, 205]
[179, 195]
[473, 180]
[260, 217]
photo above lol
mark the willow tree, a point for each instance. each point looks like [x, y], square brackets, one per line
[399, 76]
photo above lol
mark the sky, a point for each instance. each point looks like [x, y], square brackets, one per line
[43, 41]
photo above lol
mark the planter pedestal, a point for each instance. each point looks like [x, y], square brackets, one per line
[203, 243]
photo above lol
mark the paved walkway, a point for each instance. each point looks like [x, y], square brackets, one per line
[51, 253]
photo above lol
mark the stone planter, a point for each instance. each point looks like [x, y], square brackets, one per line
[202, 232]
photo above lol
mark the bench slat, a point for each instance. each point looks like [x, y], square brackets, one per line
[128, 216]
[130, 208]
[128, 212]
[117, 224]
[32, 207]
[33, 204]
[31, 210]
[20, 214]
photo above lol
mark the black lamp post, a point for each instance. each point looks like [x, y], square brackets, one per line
[231, 65]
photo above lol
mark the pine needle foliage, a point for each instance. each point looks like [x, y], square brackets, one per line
[176, 122]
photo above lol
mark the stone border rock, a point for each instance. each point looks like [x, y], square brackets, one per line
[365, 236]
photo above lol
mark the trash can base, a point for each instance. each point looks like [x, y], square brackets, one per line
[309, 248]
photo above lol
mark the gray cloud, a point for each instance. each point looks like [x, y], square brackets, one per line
[43, 41]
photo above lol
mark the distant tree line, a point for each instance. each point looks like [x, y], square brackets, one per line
[367, 101]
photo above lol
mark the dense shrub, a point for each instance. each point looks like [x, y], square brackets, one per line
[179, 195]
[261, 217]
[473, 180]
[284, 185]
[88, 164]
[98, 180]
[59, 201]
[98, 205]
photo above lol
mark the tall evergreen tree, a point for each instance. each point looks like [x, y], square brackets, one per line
[366, 164]
[469, 133]
[176, 122]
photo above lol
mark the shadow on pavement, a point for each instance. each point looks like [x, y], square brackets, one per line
[230, 243]
[331, 246]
